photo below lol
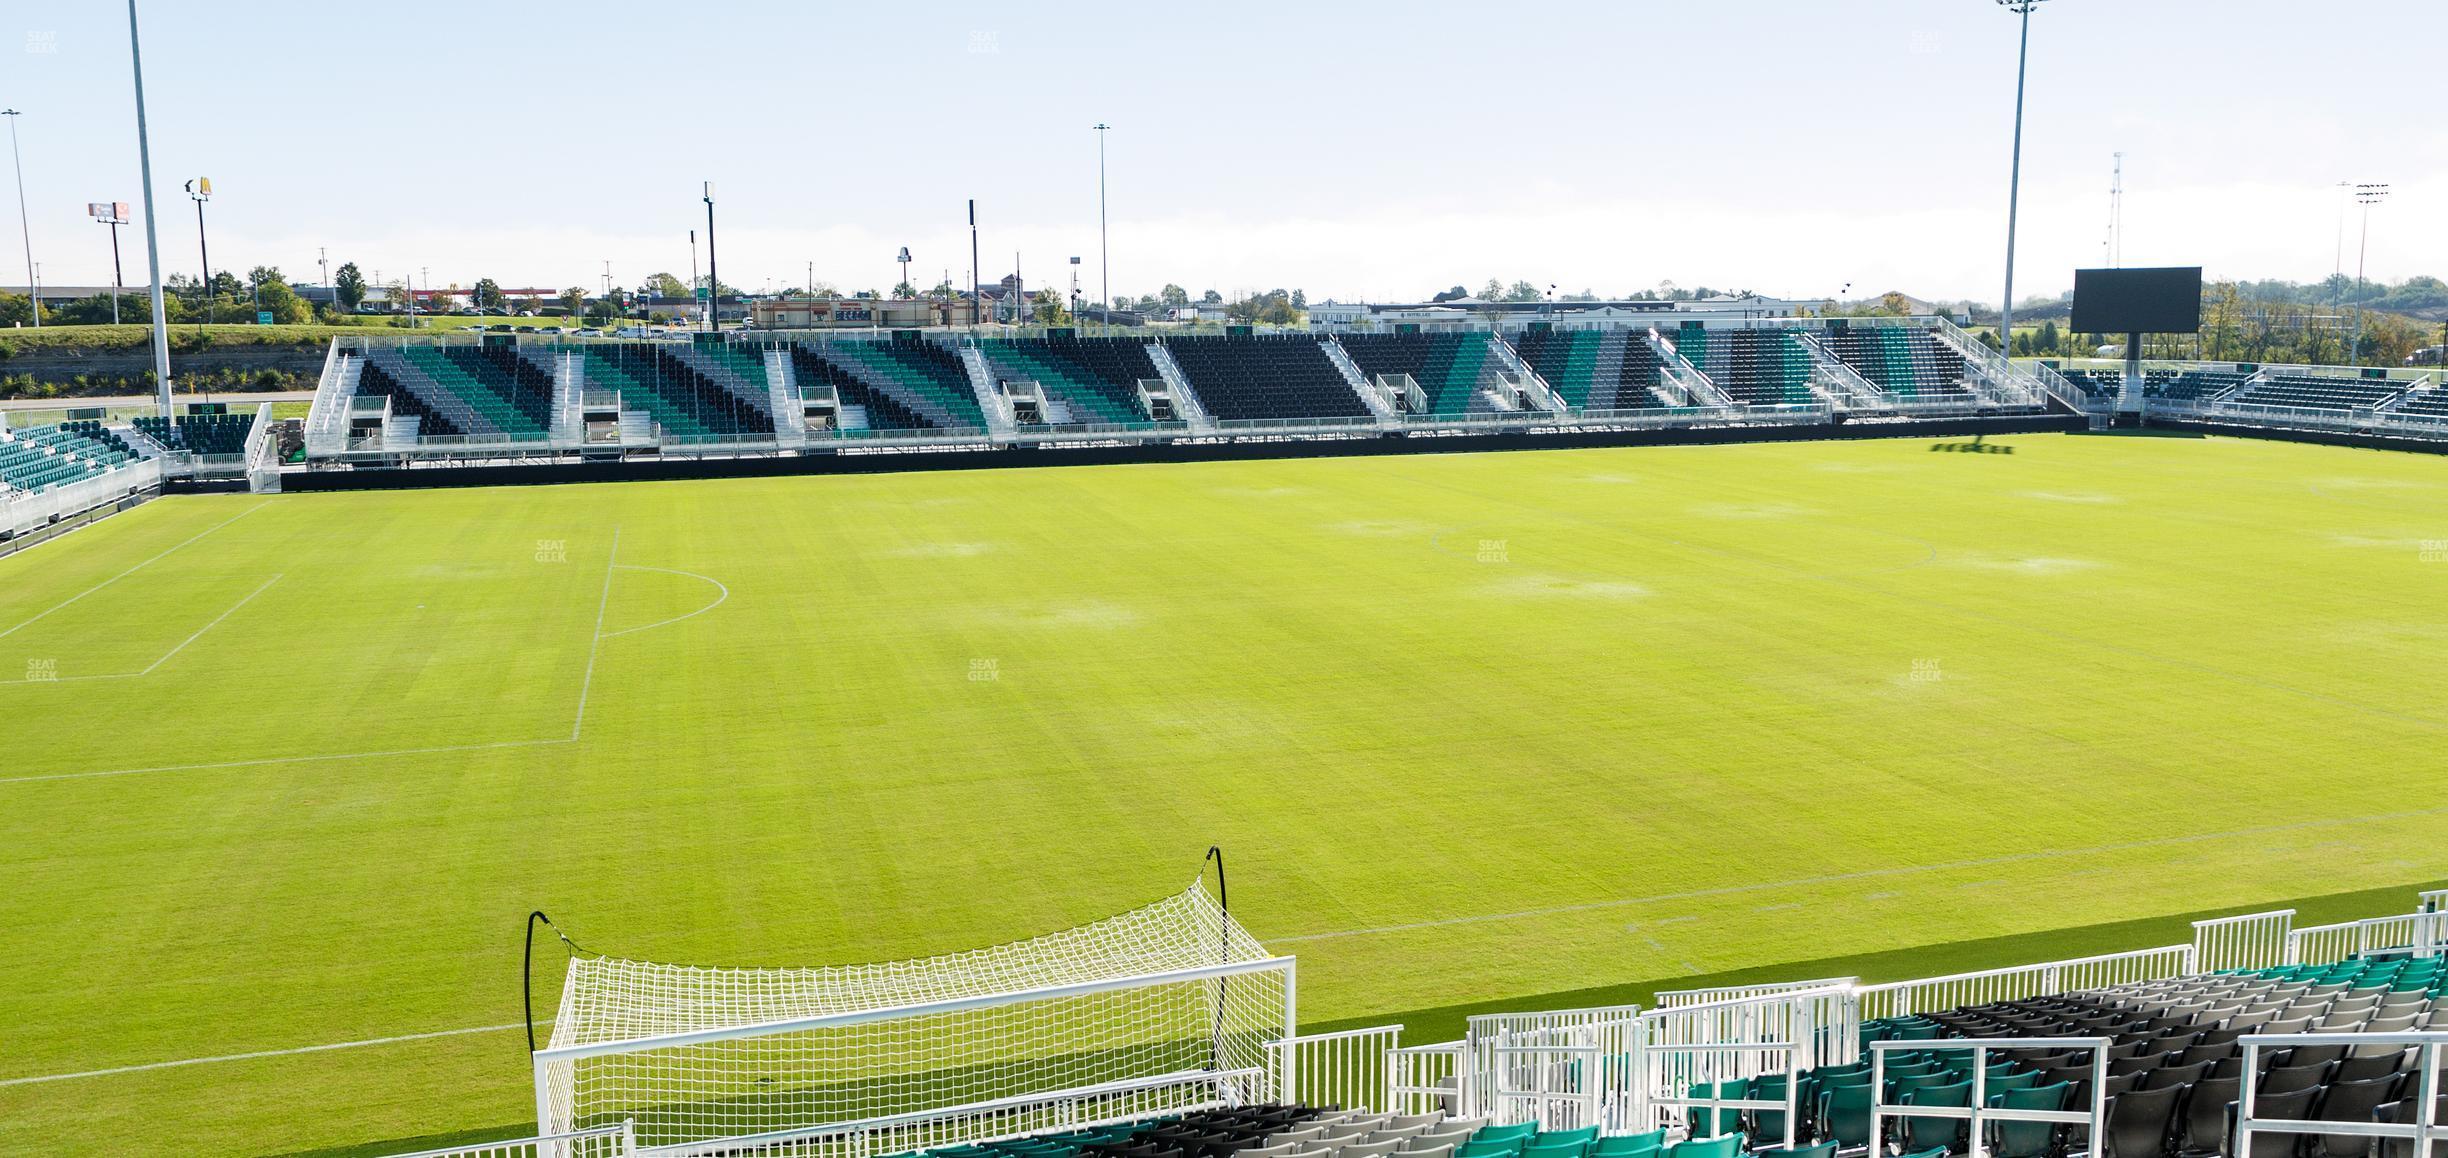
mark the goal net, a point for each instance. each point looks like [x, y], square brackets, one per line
[1164, 1008]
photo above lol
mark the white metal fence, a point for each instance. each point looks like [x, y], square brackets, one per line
[1898, 998]
[1977, 1113]
[2247, 941]
[1351, 1070]
[2431, 1052]
[1425, 1078]
[602, 1142]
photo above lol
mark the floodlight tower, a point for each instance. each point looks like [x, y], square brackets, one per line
[113, 214]
[24, 231]
[2014, 182]
[200, 191]
[713, 282]
[2365, 196]
[1104, 262]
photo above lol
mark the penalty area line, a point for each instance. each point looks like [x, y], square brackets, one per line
[132, 570]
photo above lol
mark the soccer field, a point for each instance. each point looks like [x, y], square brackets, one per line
[284, 772]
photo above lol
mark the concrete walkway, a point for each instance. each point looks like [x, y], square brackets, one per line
[235, 400]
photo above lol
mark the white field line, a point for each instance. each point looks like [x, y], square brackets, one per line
[261, 1053]
[594, 645]
[132, 570]
[584, 687]
[1621, 902]
[718, 599]
[165, 657]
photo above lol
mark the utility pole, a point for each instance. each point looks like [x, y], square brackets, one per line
[976, 303]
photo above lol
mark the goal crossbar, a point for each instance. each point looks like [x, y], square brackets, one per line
[566, 1053]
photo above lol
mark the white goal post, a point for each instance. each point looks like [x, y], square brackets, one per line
[1168, 1007]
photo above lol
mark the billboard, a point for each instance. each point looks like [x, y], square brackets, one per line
[2164, 300]
[108, 212]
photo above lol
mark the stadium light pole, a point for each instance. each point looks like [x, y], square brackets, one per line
[2014, 180]
[25, 232]
[1104, 258]
[113, 214]
[199, 190]
[2366, 196]
[713, 283]
[144, 160]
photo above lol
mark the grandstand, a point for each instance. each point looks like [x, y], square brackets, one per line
[1612, 369]
[1262, 379]
[1457, 371]
[1085, 379]
[42, 458]
[1756, 367]
[1911, 364]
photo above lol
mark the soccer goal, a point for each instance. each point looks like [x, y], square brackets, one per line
[1165, 1008]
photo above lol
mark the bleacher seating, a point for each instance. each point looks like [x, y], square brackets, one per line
[683, 402]
[1247, 378]
[884, 412]
[470, 394]
[1267, 1131]
[2096, 383]
[2188, 385]
[1594, 369]
[1452, 369]
[199, 433]
[1906, 363]
[39, 458]
[2431, 403]
[1753, 367]
[2318, 392]
[374, 381]
[925, 378]
[2175, 1069]
[1096, 379]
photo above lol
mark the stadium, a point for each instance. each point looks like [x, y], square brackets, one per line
[1667, 725]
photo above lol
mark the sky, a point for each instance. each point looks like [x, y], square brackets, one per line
[1375, 152]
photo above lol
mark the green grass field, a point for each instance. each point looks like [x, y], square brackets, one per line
[290, 771]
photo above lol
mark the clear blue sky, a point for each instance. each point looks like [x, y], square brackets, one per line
[1379, 151]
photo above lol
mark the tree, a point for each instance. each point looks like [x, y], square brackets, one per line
[274, 297]
[15, 309]
[1173, 295]
[1493, 291]
[488, 294]
[1300, 301]
[664, 285]
[349, 286]
[1457, 293]
[2049, 337]
[904, 291]
[1211, 298]
[573, 299]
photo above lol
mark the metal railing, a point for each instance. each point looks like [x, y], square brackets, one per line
[601, 1142]
[2247, 941]
[2431, 1051]
[1978, 1113]
[1422, 1079]
[1352, 1070]
[1898, 998]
